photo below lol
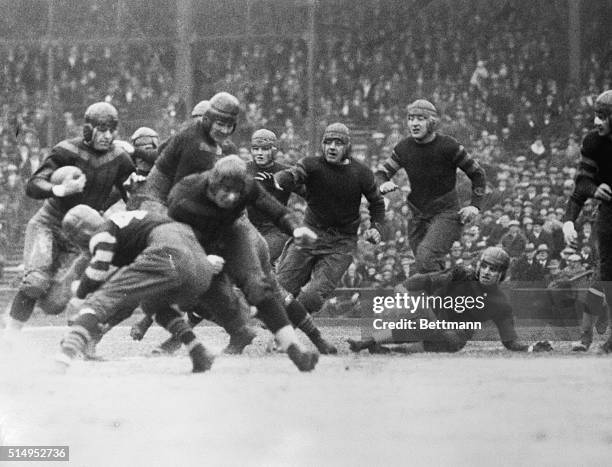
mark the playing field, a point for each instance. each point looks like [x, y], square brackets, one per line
[482, 406]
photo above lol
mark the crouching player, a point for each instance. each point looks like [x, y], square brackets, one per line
[482, 285]
[213, 202]
[162, 267]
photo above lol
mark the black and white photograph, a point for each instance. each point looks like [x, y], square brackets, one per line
[305, 233]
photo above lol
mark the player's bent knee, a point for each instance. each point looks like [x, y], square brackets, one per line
[258, 289]
[311, 300]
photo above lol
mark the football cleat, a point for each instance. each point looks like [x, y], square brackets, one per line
[201, 358]
[239, 340]
[323, 346]
[140, 328]
[168, 347]
[305, 360]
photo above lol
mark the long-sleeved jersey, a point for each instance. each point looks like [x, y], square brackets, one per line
[188, 152]
[104, 171]
[333, 193]
[595, 168]
[117, 243]
[460, 282]
[259, 219]
[432, 172]
[189, 202]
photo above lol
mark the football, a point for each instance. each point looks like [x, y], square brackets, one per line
[64, 173]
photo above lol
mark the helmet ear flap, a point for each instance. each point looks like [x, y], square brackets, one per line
[87, 132]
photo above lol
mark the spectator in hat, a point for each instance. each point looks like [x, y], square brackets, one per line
[528, 208]
[520, 190]
[527, 225]
[542, 255]
[531, 194]
[538, 235]
[566, 190]
[499, 230]
[467, 260]
[486, 224]
[527, 269]
[546, 191]
[456, 253]
[514, 240]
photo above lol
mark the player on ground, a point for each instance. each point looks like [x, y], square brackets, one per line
[430, 160]
[594, 180]
[161, 266]
[213, 203]
[458, 282]
[104, 166]
[334, 185]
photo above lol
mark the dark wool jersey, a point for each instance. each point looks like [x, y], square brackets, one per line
[189, 202]
[103, 171]
[117, 243]
[188, 152]
[594, 169]
[432, 172]
[333, 193]
[259, 219]
[461, 282]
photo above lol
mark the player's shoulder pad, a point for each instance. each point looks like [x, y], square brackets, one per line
[68, 146]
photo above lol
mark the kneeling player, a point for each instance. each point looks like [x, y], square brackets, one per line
[481, 285]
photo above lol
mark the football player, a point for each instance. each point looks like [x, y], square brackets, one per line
[481, 287]
[430, 160]
[48, 252]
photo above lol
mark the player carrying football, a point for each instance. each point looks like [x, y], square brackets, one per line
[105, 166]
